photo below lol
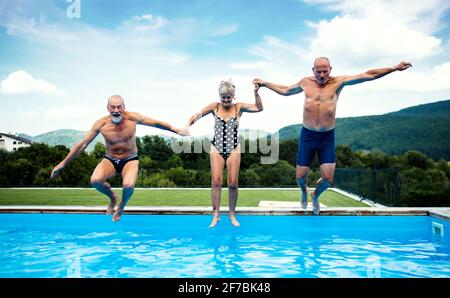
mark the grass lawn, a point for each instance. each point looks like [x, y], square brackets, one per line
[163, 197]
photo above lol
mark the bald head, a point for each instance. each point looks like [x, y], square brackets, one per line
[321, 62]
[117, 99]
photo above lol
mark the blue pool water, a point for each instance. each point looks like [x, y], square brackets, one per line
[77, 245]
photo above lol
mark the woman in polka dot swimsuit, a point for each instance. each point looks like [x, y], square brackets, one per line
[225, 148]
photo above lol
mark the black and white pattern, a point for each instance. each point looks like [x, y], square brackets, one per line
[225, 134]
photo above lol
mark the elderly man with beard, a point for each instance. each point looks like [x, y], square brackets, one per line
[121, 158]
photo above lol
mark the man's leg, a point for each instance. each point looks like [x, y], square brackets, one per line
[102, 172]
[233, 163]
[325, 180]
[129, 176]
[301, 174]
[305, 155]
[217, 165]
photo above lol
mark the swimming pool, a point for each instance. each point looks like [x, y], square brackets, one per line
[90, 245]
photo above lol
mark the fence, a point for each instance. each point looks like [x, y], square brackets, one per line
[379, 185]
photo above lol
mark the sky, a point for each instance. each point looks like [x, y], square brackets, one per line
[60, 60]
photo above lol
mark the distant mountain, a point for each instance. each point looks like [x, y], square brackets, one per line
[436, 109]
[290, 132]
[425, 128]
[66, 137]
[69, 137]
[25, 136]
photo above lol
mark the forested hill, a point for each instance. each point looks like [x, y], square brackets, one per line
[425, 128]
[435, 109]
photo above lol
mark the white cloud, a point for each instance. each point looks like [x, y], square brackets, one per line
[431, 79]
[364, 39]
[145, 23]
[29, 114]
[364, 35]
[21, 82]
[371, 30]
[80, 116]
[144, 39]
[250, 65]
[276, 59]
[274, 49]
[144, 59]
[67, 113]
[74, 112]
[424, 16]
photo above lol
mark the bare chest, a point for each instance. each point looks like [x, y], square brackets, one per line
[122, 133]
[327, 94]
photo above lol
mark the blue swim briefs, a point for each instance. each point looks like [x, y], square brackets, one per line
[312, 141]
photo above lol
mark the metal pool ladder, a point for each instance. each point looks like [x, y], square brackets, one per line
[437, 228]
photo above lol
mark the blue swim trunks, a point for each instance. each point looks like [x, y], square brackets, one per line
[312, 141]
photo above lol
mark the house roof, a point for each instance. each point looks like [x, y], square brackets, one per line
[27, 141]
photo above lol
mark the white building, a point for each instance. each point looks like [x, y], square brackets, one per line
[10, 142]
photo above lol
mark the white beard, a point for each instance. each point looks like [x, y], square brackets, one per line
[116, 119]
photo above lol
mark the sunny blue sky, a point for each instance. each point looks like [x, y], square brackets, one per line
[167, 57]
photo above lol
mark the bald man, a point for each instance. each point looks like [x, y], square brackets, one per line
[119, 131]
[319, 120]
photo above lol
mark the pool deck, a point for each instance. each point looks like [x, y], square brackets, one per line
[442, 213]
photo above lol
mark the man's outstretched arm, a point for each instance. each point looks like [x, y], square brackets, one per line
[77, 149]
[280, 89]
[374, 74]
[144, 120]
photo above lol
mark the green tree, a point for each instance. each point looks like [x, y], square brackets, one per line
[376, 160]
[156, 148]
[42, 177]
[288, 151]
[417, 159]
[278, 174]
[78, 172]
[249, 177]
[158, 180]
[173, 162]
[99, 151]
[344, 156]
[444, 166]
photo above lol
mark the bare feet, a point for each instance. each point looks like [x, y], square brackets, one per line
[214, 221]
[112, 204]
[304, 199]
[118, 214]
[316, 205]
[119, 211]
[234, 221]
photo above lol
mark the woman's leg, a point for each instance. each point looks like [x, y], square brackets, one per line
[217, 166]
[233, 164]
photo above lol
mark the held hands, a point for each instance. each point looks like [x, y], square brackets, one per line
[184, 131]
[402, 66]
[56, 171]
[257, 86]
[259, 82]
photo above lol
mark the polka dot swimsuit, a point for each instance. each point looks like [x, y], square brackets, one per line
[225, 134]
